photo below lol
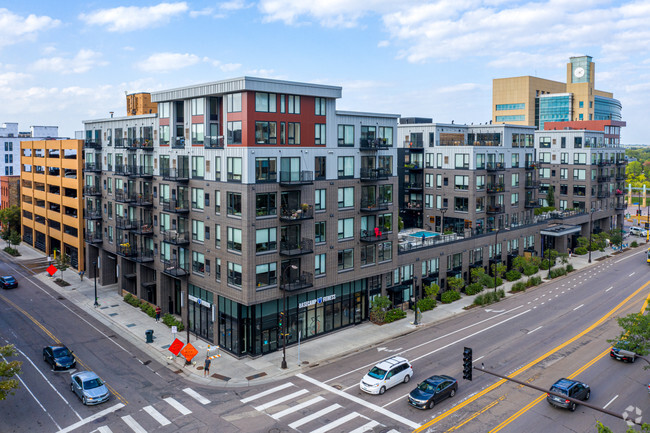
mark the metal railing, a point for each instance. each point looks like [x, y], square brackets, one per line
[296, 248]
[303, 281]
[301, 213]
[304, 177]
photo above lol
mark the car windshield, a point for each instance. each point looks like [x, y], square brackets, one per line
[557, 390]
[62, 351]
[93, 383]
[425, 386]
[9, 279]
[377, 373]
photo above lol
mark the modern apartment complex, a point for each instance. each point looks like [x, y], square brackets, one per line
[51, 197]
[534, 101]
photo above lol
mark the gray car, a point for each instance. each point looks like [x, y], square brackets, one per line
[89, 387]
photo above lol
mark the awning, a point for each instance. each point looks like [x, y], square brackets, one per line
[560, 230]
[398, 288]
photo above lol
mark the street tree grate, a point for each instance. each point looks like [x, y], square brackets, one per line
[256, 376]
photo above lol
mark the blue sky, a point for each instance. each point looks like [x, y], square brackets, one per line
[64, 62]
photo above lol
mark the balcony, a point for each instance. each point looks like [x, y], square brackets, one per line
[532, 204]
[601, 179]
[495, 209]
[602, 163]
[373, 144]
[296, 248]
[93, 238]
[619, 193]
[144, 256]
[122, 196]
[415, 144]
[603, 194]
[176, 238]
[145, 144]
[125, 170]
[92, 190]
[176, 206]
[296, 178]
[92, 214]
[144, 200]
[142, 227]
[120, 143]
[303, 281]
[126, 250]
[620, 163]
[495, 166]
[144, 171]
[413, 186]
[92, 144]
[93, 167]
[532, 184]
[213, 142]
[373, 205]
[373, 174]
[620, 177]
[178, 143]
[372, 236]
[494, 188]
[305, 212]
[175, 174]
[175, 268]
[531, 165]
[620, 206]
[124, 223]
[414, 167]
[413, 206]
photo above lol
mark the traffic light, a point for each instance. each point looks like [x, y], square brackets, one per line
[467, 363]
[281, 319]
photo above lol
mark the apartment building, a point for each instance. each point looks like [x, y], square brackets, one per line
[241, 191]
[9, 191]
[51, 197]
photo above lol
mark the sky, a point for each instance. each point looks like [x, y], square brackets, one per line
[65, 62]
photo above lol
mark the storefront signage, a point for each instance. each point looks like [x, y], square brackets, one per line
[317, 301]
[200, 301]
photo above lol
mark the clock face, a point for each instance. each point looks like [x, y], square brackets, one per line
[579, 72]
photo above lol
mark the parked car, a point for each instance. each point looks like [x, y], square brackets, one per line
[569, 388]
[638, 231]
[433, 390]
[8, 282]
[386, 374]
[624, 350]
[59, 357]
[89, 387]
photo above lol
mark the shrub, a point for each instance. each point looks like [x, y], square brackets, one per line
[12, 251]
[544, 265]
[569, 268]
[634, 244]
[170, 321]
[130, 299]
[513, 275]
[426, 304]
[489, 297]
[473, 289]
[558, 272]
[530, 269]
[536, 280]
[449, 296]
[456, 283]
[488, 281]
[151, 311]
[379, 306]
[393, 315]
[518, 287]
[581, 251]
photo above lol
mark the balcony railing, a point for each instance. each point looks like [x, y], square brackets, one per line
[178, 143]
[142, 227]
[603, 194]
[145, 200]
[92, 190]
[601, 179]
[175, 174]
[303, 213]
[124, 223]
[126, 250]
[373, 144]
[146, 144]
[373, 205]
[296, 248]
[414, 144]
[413, 206]
[532, 184]
[92, 144]
[413, 186]
[619, 163]
[93, 166]
[144, 255]
[144, 171]
[93, 237]
[176, 206]
[291, 178]
[602, 163]
[531, 165]
[495, 166]
[493, 188]
[176, 238]
[92, 214]
[125, 170]
[370, 236]
[124, 196]
[120, 143]
[620, 206]
[175, 268]
[496, 209]
[373, 174]
[619, 192]
[213, 142]
[531, 204]
[304, 281]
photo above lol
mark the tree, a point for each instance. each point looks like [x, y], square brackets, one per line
[456, 283]
[635, 331]
[603, 429]
[550, 196]
[499, 268]
[14, 239]
[7, 371]
[10, 218]
[616, 237]
[62, 263]
[634, 168]
[378, 307]
[476, 274]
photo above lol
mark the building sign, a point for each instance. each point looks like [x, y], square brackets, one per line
[200, 301]
[317, 301]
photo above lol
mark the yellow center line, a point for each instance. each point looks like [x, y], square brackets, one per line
[532, 363]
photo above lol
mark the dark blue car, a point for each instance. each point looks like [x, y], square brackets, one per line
[59, 357]
[8, 282]
[433, 390]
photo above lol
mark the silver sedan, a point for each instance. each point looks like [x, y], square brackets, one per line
[89, 387]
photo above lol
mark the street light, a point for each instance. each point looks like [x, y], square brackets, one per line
[95, 266]
[415, 291]
[496, 234]
[284, 315]
[591, 217]
[442, 220]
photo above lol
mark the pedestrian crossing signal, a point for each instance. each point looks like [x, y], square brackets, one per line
[467, 363]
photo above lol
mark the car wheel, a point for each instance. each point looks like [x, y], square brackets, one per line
[83, 400]
[572, 407]
[407, 378]
[588, 395]
[453, 392]
[382, 390]
[430, 404]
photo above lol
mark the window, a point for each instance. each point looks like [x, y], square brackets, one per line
[217, 235]
[564, 173]
[385, 163]
[319, 264]
[514, 179]
[579, 174]
[462, 160]
[368, 134]
[346, 197]
[385, 221]
[293, 103]
[198, 230]
[480, 161]
[345, 167]
[198, 262]
[514, 198]
[234, 239]
[265, 132]
[428, 201]
[367, 255]
[545, 142]
[319, 134]
[386, 193]
[163, 110]
[265, 169]
[265, 102]
[319, 200]
[577, 142]
[234, 169]
[461, 182]
[266, 274]
[197, 106]
[320, 172]
[563, 142]
[428, 180]
[346, 135]
[319, 106]
[480, 182]
[293, 133]
[265, 204]
[502, 107]
[217, 168]
[461, 204]
[581, 104]
[234, 203]
[480, 204]
[438, 181]
[386, 135]
[198, 198]
[265, 240]
[384, 251]
[234, 103]
[545, 157]
[545, 173]
[515, 160]
[198, 167]
[579, 158]
[564, 158]
[234, 132]
[164, 134]
[346, 259]
[217, 201]
[198, 133]
[346, 228]
[217, 270]
[319, 232]
[234, 274]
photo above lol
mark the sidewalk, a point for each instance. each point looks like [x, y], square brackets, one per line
[227, 371]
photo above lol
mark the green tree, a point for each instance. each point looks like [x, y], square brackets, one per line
[10, 218]
[476, 274]
[431, 291]
[499, 268]
[600, 428]
[62, 263]
[14, 239]
[378, 307]
[636, 331]
[8, 369]
[633, 168]
[456, 283]
[550, 196]
[616, 237]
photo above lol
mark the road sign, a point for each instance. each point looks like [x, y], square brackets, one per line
[174, 329]
[176, 347]
[189, 352]
[51, 270]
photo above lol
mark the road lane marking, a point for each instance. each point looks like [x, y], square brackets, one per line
[282, 399]
[133, 424]
[195, 395]
[427, 342]
[631, 274]
[360, 401]
[480, 357]
[336, 423]
[267, 392]
[578, 307]
[539, 327]
[366, 427]
[609, 289]
[314, 416]
[296, 408]
[179, 407]
[91, 418]
[402, 398]
[628, 257]
[611, 401]
[104, 429]
[157, 415]
[534, 362]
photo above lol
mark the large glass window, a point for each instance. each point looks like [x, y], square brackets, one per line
[319, 106]
[265, 132]
[346, 135]
[265, 102]
[346, 259]
[234, 132]
[345, 167]
[319, 264]
[319, 231]
[198, 230]
[319, 200]
[234, 203]
[234, 169]
[198, 262]
[234, 274]
[198, 198]
[234, 239]
[293, 102]
[266, 274]
[265, 169]
[293, 133]
[319, 134]
[163, 110]
[386, 135]
[265, 204]
[346, 197]
[265, 239]
[198, 106]
[198, 167]
[346, 228]
[164, 134]
[234, 103]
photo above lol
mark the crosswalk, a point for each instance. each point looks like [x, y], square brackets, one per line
[308, 413]
[162, 415]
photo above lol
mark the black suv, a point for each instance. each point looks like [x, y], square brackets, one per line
[624, 350]
[569, 388]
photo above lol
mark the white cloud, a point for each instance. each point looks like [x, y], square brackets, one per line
[226, 67]
[128, 48]
[233, 5]
[165, 62]
[382, 44]
[8, 79]
[458, 88]
[329, 13]
[14, 28]
[202, 12]
[130, 18]
[82, 62]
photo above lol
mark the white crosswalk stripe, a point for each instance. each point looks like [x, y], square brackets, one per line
[314, 416]
[104, 429]
[366, 427]
[179, 407]
[137, 428]
[195, 395]
[336, 423]
[296, 408]
[277, 401]
[156, 415]
[267, 392]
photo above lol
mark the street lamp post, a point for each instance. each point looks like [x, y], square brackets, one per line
[496, 234]
[284, 315]
[442, 220]
[95, 266]
[591, 217]
[548, 252]
[415, 292]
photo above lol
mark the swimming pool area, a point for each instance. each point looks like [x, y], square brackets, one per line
[426, 234]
